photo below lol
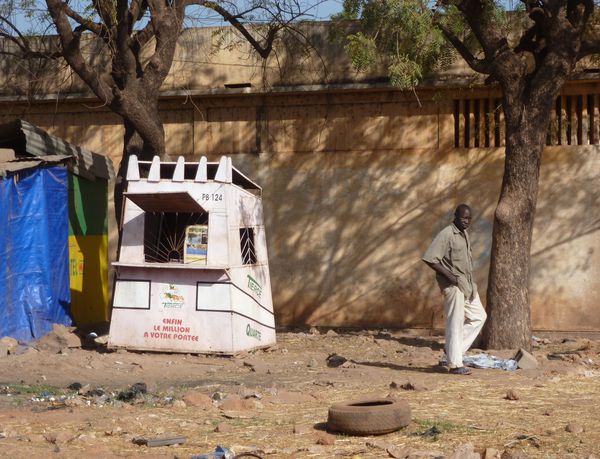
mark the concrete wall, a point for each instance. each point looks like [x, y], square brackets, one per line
[206, 58]
[357, 182]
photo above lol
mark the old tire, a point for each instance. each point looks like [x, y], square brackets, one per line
[368, 417]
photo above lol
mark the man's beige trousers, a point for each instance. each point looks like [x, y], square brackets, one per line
[464, 320]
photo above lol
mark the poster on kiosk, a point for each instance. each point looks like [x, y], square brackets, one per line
[192, 269]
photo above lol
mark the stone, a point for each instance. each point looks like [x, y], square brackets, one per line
[324, 383]
[314, 331]
[377, 444]
[10, 343]
[411, 453]
[59, 437]
[60, 337]
[491, 453]
[324, 438]
[512, 394]
[574, 427]
[197, 399]
[331, 333]
[525, 360]
[257, 366]
[235, 403]
[223, 427]
[288, 398]
[413, 384]
[397, 453]
[464, 451]
[36, 438]
[334, 360]
[248, 393]
[179, 404]
[75, 402]
[112, 432]
[301, 429]
[66, 336]
[101, 340]
[512, 454]
[50, 437]
[312, 363]
[83, 390]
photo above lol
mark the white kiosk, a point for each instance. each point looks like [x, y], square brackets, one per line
[192, 270]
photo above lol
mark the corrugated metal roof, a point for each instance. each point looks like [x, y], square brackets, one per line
[23, 163]
[29, 140]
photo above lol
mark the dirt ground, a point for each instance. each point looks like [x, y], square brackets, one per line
[274, 402]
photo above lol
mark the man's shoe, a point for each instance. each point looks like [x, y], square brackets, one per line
[460, 371]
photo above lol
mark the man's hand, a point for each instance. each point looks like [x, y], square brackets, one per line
[437, 267]
[453, 278]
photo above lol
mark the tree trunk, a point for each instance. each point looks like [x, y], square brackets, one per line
[509, 318]
[145, 148]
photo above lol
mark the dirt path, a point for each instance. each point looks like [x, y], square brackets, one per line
[275, 402]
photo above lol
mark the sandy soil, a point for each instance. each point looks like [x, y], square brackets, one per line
[274, 402]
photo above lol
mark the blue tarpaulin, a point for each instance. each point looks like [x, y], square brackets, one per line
[34, 253]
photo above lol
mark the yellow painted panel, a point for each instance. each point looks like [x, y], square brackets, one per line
[88, 270]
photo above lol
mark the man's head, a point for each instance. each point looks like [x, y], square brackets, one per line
[462, 217]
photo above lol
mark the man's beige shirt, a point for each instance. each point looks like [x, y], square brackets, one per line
[452, 249]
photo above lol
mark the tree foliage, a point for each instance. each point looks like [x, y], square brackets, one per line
[398, 33]
[417, 38]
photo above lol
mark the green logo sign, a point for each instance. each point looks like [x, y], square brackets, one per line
[254, 286]
[252, 332]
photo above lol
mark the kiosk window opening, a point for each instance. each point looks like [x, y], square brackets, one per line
[165, 235]
[247, 245]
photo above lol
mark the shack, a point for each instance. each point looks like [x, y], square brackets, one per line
[53, 232]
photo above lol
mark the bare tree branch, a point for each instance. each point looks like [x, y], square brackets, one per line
[24, 44]
[166, 26]
[262, 50]
[492, 41]
[105, 10]
[70, 42]
[137, 10]
[589, 47]
[578, 13]
[145, 35]
[479, 65]
[92, 26]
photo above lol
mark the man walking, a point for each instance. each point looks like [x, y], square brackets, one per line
[449, 255]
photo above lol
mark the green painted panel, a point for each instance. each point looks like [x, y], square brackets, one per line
[88, 206]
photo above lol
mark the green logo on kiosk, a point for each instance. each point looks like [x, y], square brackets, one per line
[171, 298]
[254, 286]
[252, 332]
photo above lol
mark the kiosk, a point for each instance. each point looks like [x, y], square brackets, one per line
[192, 273]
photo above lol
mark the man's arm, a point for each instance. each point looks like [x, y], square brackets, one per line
[438, 268]
[435, 253]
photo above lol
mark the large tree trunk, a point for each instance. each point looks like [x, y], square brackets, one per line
[145, 148]
[509, 320]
